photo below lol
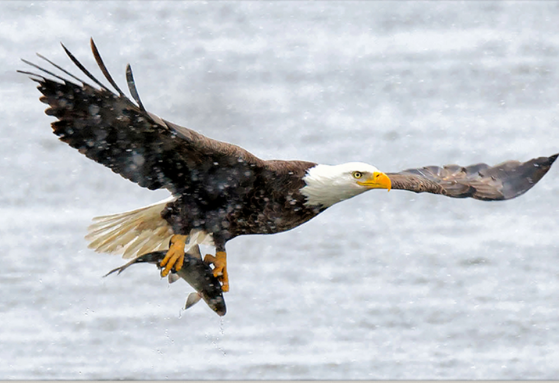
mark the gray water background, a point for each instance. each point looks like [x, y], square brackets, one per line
[383, 286]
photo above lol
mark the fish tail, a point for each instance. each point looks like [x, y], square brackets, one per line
[153, 257]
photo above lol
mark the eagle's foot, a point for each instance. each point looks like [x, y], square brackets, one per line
[175, 255]
[220, 268]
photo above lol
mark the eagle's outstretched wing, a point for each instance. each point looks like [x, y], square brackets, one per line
[109, 128]
[500, 182]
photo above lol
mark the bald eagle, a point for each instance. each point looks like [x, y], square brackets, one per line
[219, 190]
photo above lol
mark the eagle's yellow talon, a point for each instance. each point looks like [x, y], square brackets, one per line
[179, 263]
[220, 268]
[175, 255]
[209, 259]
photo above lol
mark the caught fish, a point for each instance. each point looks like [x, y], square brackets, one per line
[194, 271]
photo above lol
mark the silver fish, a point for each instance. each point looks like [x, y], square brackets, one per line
[194, 271]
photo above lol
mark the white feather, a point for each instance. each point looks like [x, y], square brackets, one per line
[138, 232]
[327, 185]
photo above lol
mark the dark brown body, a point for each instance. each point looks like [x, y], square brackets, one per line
[238, 199]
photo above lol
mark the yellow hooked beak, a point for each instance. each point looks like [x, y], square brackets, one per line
[378, 180]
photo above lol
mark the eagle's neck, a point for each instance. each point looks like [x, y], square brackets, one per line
[327, 185]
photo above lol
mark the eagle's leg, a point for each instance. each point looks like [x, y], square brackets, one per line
[220, 268]
[175, 255]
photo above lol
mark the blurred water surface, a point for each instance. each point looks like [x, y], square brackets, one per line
[384, 286]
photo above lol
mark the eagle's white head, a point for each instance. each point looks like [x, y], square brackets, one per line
[327, 185]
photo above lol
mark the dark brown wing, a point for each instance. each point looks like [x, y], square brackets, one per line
[110, 129]
[500, 182]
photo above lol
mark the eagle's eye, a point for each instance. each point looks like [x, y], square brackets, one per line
[357, 175]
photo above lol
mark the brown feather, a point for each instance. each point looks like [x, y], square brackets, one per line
[500, 182]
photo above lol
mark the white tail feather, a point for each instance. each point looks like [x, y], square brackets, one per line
[131, 233]
[138, 232]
